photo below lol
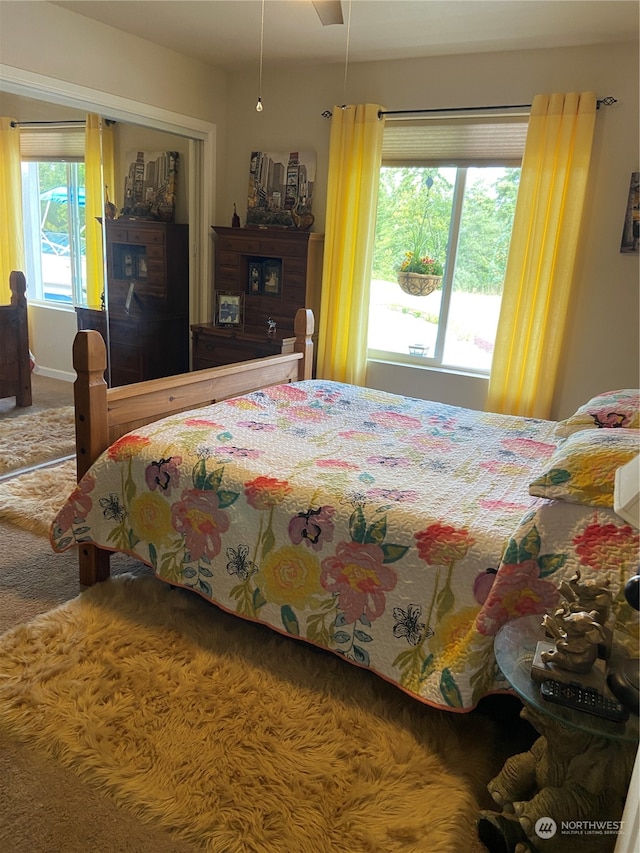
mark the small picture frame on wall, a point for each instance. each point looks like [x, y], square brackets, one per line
[229, 309]
[271, 277]
[630, 242]
[254, 284]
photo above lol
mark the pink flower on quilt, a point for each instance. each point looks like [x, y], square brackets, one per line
[395, 420]
[314, 527]
[196, 515]
[357, 574]
[266, 492]
[78, 504]
[127, 447]
[517, 590]
[528, 448]
[441, 544]
[164, 474]
[602, 546]
[285, 392]
[336, 463]
[204, 422]
[304, 413]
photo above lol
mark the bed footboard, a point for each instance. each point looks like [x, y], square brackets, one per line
[104, 414]
[15, 367]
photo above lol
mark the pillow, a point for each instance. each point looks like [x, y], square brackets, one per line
[610, 410]
[582, 469]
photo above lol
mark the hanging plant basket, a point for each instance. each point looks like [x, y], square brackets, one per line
[418, 284]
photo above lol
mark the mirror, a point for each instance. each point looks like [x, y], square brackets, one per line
[52, 331]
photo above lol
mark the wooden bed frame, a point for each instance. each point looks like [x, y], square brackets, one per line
[15, 367]
[104, 414]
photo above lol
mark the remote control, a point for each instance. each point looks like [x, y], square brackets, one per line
[583, 699]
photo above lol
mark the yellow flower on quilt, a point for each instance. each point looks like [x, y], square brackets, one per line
[150, 517]
[453, 637]
[583, 467]
[290, 576]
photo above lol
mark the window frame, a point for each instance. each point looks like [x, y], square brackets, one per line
[462, 156]
[32, 232]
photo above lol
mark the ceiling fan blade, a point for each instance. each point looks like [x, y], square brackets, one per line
[329, 11]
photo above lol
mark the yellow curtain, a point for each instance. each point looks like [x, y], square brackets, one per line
[539, 273]
[11, 235]
[94, 208]
[108, 164]
[355, 151]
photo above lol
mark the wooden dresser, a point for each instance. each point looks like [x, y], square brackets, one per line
[276, 272]
[147, 300]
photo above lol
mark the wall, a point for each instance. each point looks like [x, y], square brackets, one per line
[601, 346]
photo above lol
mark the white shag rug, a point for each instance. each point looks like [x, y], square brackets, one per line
[36, 437]
[234, 737]
[32, 500]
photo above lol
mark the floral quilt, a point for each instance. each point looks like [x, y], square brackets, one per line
[397, 533]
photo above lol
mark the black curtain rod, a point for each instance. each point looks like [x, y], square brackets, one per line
[608, 101]
[108, 121]
[44, 123]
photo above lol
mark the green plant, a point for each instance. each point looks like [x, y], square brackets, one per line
[418, 258]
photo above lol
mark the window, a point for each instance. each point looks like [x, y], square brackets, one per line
[448, 192]
[53, 215]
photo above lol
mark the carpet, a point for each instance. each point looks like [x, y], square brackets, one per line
[36, 437]
[235, 738]
[32, 500]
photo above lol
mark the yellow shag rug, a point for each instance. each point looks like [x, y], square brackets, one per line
[36, 437]
[32, 500]
[235, 738]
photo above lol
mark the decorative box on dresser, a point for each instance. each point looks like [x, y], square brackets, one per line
[296, 257]
[147, 300]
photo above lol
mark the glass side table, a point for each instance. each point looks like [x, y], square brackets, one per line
[568, 791]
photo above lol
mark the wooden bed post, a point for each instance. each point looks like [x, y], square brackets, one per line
[18, 287]
[92, 436]
[303, 326]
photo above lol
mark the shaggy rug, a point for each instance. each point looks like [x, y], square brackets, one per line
[36, 437]
[32, 500]
[236, 738]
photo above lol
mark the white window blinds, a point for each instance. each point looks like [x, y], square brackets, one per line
[52, 143]
[460, 141]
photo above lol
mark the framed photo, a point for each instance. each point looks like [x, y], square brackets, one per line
[255, 277]
[271, 277]
[128, 265]
[631, 231]
[229, 309]
[142, 266]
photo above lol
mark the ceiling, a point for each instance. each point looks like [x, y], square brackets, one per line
[226, 33]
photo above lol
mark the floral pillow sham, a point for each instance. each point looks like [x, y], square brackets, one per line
[611, 410]
[582, 469]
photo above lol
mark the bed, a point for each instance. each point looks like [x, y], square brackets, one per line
[397, 533]
[15, 365]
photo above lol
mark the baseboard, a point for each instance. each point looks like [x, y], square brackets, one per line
[50, 373]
